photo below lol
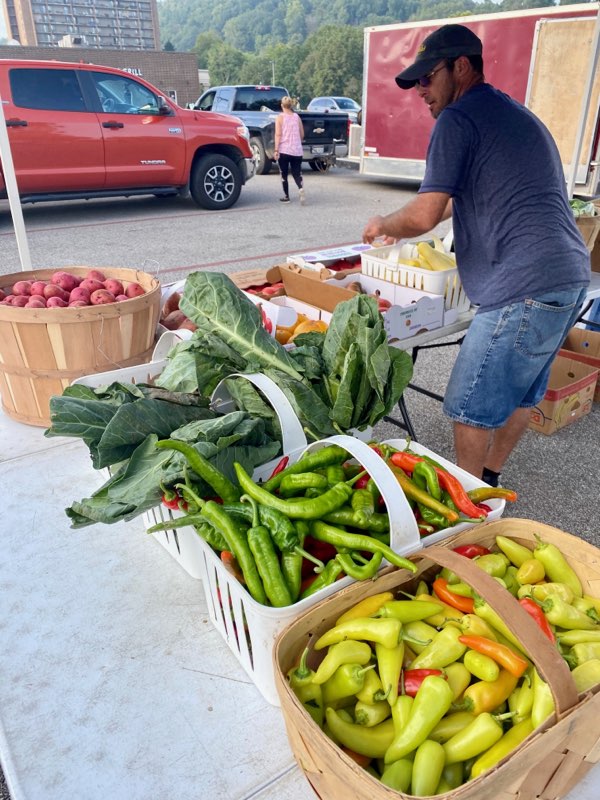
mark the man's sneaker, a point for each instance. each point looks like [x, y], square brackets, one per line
[302, 197]
[284, 199]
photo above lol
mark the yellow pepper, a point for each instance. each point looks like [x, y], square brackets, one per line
[366, 607]
[511, 739]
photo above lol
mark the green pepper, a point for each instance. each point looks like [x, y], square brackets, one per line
[297, 484]
[556, 566]
[586, 675]
[505, 745]
[543, 702]
[462, 589]
[450, 725]
[453, 774]
[486, 612]
[515, 552]
[425, 476]
[449, 576]
[199, 523]
[401, 710]
[346, 681]
[369, 629]
[510, 579]
[544, 590]
[444, 649]
[398, 775]
[582, 652]
[409, 610]
[298, 508]
[420, 632]
[494, 564]
[481, 666]
[372, 690]
[237, 543]
[458, 677]
[306, 690]
[566, 616]
[335, 473]
[520, 701]
[330, 573]
[291, 561]
[348, 651]
[379, 523]
[430, 517]
[427, 768]
[431, 702]
[362, 573]
[478, 736]
[310, 461]
[370, 714]
[218, 482]
[372, 742]
[588, 607]
[412, 491]
[569, 638]
[267, 562]
[362, 503]
[389, 666]
[353, 541]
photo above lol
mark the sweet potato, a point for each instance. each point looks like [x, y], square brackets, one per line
[174, 320]
[171, 304]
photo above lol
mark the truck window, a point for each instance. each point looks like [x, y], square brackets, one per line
[206, 102]
[120, 95]
[46, 89]
[223, 100]
[254, 98]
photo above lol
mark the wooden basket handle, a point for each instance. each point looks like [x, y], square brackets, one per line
[540, 649]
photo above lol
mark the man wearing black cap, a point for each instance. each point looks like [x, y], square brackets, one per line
[494, 168]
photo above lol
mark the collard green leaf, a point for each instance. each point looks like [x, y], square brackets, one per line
[343, 408]
[309, 358]
[215, 304]
[310, 409]
[248, 398]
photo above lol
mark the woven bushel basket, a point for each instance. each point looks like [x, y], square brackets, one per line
[547, 765]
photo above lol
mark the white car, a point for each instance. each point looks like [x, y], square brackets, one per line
[344, 104]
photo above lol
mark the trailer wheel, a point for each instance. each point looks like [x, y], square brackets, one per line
[263, 164]
[320, 164]
[216, 182]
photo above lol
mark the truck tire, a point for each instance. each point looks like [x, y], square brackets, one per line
[263, 164]
[215, 182]
[320, 164]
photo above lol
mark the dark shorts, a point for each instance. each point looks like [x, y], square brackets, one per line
[504, 362]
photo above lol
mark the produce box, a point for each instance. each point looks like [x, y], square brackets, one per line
[445, 282]
[583, 345]
[569, 395]
[589, 227]
[325, 258]
[547, 764]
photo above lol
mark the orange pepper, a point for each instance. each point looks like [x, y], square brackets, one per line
[500, 653]
[440, 588]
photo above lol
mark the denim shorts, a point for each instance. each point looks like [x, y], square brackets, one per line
[504, 361]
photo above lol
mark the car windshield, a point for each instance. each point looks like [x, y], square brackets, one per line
[346, 102]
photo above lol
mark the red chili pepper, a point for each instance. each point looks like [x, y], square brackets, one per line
[267, 324]
[532, 608]
[440, 588]
[361, 483]
[412, 679]
[471, 550]
[452, 485]
[484, 507]
[171, 502]
[280, 467]
[377, 450]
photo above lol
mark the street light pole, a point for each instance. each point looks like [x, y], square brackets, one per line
[273, 72]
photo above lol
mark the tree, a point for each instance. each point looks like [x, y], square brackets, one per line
[334, 62]
[225, 64]
[205, 43]
[169, 47]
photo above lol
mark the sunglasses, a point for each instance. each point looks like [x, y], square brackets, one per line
[426, 79]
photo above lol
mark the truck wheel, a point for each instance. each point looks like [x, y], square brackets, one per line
[216, 182]
[319, 164]
[263, 164]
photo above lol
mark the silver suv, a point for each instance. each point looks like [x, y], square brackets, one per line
[345, 104]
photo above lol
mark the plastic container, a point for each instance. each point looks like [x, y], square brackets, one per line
[447, 283]
[42, 350]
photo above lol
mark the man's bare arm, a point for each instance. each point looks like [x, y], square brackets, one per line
[417, 217]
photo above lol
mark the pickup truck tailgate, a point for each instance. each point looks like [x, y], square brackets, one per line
[322, 128]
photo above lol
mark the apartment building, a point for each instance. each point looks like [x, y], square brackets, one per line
[118, 24]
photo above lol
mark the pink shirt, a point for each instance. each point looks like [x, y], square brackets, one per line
[290, 142]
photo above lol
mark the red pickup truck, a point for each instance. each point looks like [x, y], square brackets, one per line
[86, 131]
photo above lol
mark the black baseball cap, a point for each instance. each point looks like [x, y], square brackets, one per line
[449, 41]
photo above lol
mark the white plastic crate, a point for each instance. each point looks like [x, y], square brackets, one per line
[447, 282]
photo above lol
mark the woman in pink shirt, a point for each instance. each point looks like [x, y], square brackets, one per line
[288, 147]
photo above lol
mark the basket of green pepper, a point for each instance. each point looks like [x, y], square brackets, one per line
[495, 694]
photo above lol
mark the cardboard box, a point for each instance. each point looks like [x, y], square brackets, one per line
[584, 346]
[568, 398]
[350, 252]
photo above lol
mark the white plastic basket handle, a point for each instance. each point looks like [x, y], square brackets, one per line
[404, 533]
[291, 429]
[168, 340]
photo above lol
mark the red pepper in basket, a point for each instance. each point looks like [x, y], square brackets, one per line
[411, 680]
[471, 550]
[532, 608]
[440, 588]
[280, 467]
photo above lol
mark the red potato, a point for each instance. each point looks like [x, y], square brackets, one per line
[35, 301]
[20, 300]
[22, 288]
[52, 290]
[8, 299]
[120, 297]
[80, 295]
[188, 325]
[114, 286]
[37, 288]
[56, 302]
[78, 304]
[101, 297]
[91, 284]
[134, 289]
[2, 295]
[95, 275]
[65, 280]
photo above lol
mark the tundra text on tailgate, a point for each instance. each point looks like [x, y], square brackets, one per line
[84, 131]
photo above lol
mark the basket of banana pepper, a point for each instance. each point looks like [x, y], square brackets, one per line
[476, 677]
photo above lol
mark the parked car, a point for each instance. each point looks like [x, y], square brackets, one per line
[83, 131]
[345, 104]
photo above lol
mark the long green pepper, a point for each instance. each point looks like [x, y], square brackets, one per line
[221, 485]
[267, 563]
[311, 461]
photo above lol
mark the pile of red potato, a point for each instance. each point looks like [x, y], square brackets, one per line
[67, 290]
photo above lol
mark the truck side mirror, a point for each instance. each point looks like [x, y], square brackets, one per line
[164, 109]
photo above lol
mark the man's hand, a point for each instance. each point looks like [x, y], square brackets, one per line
[373, 229]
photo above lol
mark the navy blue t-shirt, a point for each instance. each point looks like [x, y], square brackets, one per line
[514, 232]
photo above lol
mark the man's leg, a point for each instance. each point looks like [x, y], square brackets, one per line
[505, 439]
[477, 448]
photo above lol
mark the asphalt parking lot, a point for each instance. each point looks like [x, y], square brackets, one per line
[555, 476]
